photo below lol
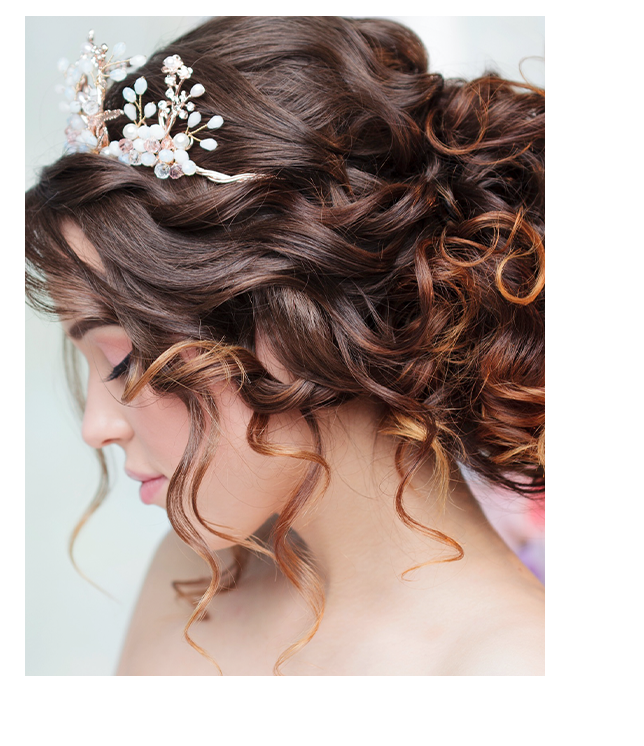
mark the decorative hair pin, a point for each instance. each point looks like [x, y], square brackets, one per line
[144, 143]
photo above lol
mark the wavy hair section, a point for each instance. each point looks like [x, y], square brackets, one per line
[393, 250]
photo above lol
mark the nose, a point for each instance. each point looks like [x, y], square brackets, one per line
[104, 419]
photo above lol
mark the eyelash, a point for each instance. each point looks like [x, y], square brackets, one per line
[120, 369]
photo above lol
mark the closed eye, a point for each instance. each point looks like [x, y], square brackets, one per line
[120, 369]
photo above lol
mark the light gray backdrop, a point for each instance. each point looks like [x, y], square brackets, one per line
[72, 628]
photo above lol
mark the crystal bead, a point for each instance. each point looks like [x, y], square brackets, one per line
[170, 80]
[209, 144]
[190, 106]
[140, 86]
[90, 107]
[167, 156]
[189, 167]
[166, 143]
[118, 75]
[119, 50]
[139, 144]
[215, 122]
[138, 60]
[86, 66]
[152, 146]
[183, 114]
[144, 132]
[194, 119]
[181, 156]
[148, 159]
[162, 170]
[176, 171]
[130, 112]
[169, 93]
[125, 145]
[129, 95]
[115, 148]
[135, 158]
[63, 64]
[150, 110]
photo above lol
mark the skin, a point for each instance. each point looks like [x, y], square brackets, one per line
[482, 615]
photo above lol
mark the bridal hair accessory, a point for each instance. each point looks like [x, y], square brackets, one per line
[144, 142]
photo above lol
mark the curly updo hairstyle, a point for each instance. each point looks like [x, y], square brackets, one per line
[393, 250]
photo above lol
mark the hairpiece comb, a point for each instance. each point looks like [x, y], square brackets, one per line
[144, 142]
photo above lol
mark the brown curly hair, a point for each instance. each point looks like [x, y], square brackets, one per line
[394, 250]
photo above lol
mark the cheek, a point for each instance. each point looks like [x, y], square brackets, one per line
[162, 427]
[243, 488]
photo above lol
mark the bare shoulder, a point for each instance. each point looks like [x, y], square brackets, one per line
[506, 641]
[160, 614]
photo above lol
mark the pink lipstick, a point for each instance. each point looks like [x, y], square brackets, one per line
[150, 485]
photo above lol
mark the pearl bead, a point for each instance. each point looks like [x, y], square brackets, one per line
[181, 156]
[215, 122]
[167, 156]
[181, 141]
[115, 148]
[148, 159]
[129, 95]
[130, 131]
[140, 86]
[144, 132]
[139, 144]
[188, 167]
[197, 90]
[209, 144]
[157, 132]
[130, 111]
[194, 119]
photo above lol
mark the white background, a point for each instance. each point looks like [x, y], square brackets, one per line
[72, 628]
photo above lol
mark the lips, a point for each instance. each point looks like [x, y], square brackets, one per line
[151, 485]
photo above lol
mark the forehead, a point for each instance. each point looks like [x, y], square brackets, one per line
[81, 245]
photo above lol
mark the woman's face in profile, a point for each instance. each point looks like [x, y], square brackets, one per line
[241, 488]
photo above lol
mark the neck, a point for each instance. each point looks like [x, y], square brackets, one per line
[360, 544]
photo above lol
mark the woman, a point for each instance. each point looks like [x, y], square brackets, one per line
[298, 333]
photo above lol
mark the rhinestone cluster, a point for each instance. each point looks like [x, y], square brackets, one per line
[144, 142]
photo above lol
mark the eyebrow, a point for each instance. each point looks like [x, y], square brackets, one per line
[78, 330]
